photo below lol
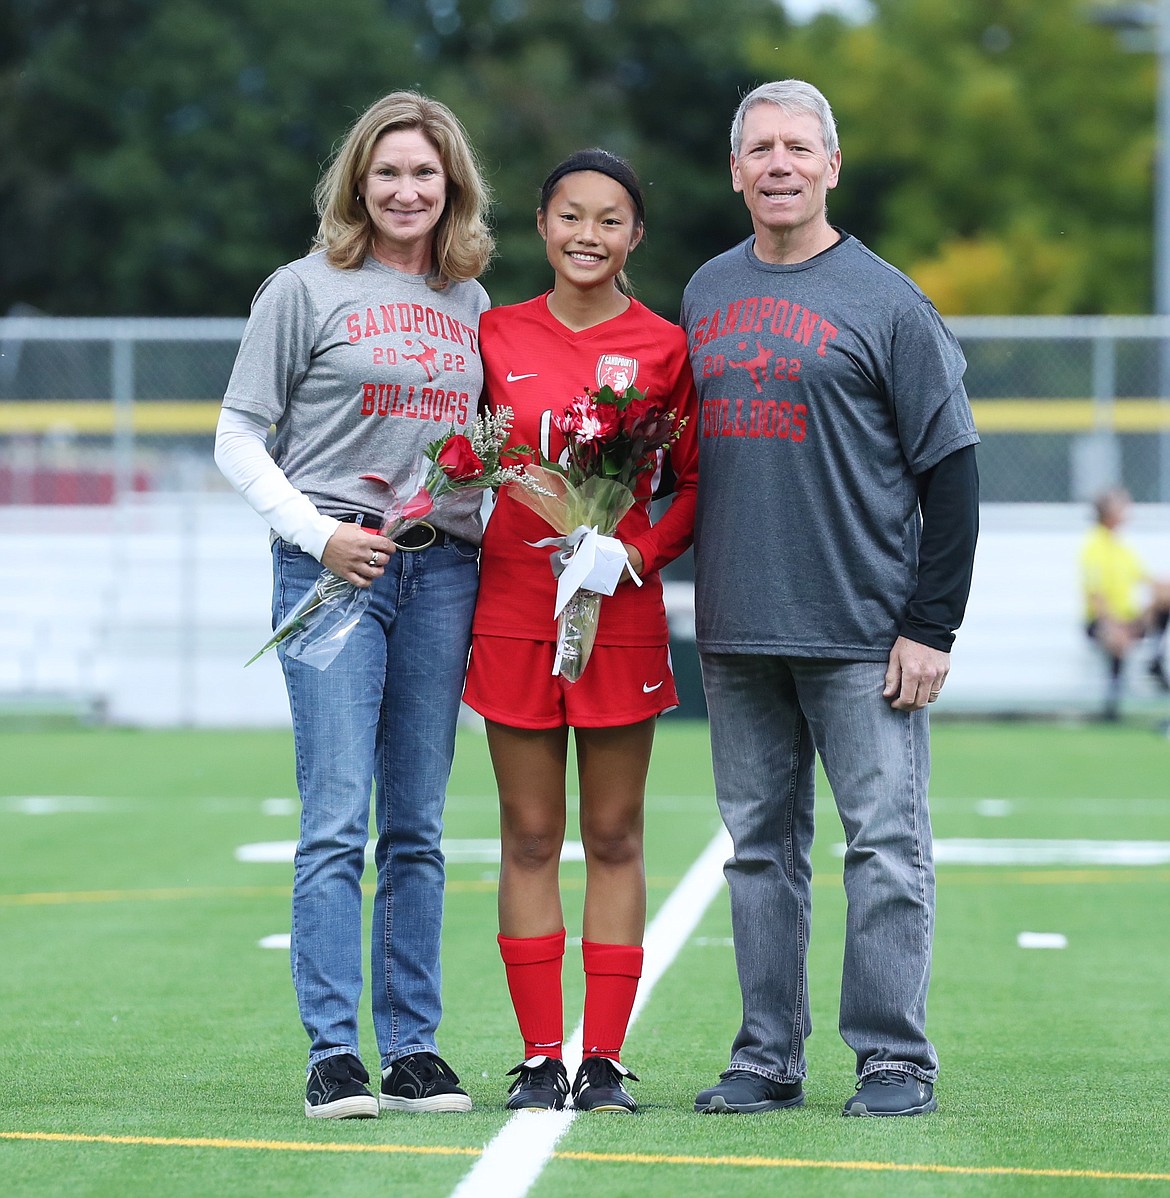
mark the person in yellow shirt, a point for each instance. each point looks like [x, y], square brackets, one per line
[1124, 602]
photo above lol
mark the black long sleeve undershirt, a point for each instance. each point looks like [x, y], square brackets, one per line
[948, 494]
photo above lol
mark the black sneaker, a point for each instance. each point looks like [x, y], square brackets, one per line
[337, 1090]
[422, 1081]
[741, 1092]
[542, 1085]
[598, 1086]
[891, 1092]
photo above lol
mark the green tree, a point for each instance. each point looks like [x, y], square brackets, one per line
[158, 159]
[994, 123]
[167, 153]
[656, 81]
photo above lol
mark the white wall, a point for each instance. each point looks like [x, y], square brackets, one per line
[147, 613]
[1022, 645]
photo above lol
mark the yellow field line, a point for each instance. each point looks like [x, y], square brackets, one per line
[614, 1158]
[59, 897]
[218, 1142]
[949, 876]
[184, 417]
[769, 1162]
[955, 875]
[53, 898]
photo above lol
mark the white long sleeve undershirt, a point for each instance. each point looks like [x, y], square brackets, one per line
[241, 453]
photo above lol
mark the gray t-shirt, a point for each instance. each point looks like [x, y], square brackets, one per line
[359, 370]
[824, 387]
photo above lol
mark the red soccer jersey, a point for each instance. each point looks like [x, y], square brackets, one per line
[536, 366]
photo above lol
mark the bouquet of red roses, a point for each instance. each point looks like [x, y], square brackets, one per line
[318, 626]
[611, 438]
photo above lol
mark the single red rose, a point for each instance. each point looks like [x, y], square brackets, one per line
[610, 420]
[458, 460]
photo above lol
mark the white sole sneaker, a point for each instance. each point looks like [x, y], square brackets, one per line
[436, 1102]
[357, 1106]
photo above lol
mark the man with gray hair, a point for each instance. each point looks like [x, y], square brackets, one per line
[834, 540]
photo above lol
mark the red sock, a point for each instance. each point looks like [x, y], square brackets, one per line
[611, 982]
[533, 966]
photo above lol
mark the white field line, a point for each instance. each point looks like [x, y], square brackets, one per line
[513, 1161]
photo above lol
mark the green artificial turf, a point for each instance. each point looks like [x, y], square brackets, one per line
[146, 1030]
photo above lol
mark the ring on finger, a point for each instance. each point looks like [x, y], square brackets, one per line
[374, 558]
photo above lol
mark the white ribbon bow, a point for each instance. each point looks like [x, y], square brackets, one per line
[586, 560]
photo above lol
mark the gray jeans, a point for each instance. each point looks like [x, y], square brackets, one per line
[770, 716]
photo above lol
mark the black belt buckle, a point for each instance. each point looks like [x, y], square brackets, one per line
[418, 536]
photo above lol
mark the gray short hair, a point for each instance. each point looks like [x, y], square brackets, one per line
[792, 95]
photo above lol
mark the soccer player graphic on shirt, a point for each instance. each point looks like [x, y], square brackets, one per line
[425, 358]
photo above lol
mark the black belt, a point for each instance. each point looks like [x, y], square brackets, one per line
[419, 536]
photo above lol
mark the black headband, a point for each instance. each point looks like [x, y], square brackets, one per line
[604, 163]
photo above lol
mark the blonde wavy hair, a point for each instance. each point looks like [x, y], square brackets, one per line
[463, 242]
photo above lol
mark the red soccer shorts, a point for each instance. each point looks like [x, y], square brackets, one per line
[510, 681]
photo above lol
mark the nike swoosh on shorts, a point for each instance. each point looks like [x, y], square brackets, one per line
[646, 688]
[515, 378]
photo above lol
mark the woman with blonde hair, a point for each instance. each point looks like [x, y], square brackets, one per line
[462, 243]
[360, 354]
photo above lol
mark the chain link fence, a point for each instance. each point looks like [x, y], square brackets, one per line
[1067, 406]
[93, 409]
[106, 431]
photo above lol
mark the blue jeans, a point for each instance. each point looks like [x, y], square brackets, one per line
[770, 716]
[385, 712]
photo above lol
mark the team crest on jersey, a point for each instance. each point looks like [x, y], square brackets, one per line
[616, 371]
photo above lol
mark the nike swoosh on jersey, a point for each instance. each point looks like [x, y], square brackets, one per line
[647, 689]
[515, 378]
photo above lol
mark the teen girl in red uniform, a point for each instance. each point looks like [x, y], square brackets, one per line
[539, 356]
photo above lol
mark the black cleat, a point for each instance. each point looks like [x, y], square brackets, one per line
[598, 1087]
[542, 1085]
